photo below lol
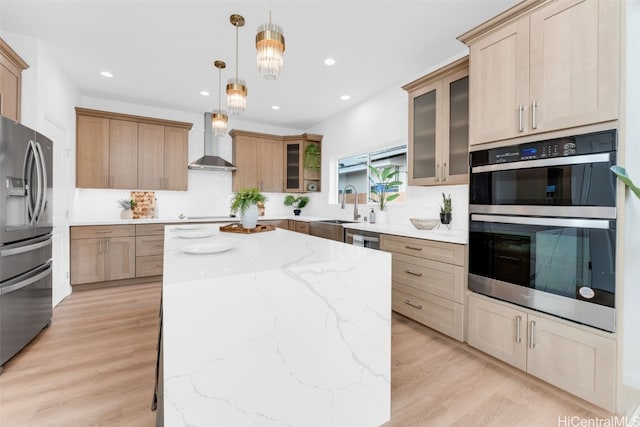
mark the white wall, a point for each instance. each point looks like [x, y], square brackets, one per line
[48, 99]
[631, 338]
[380, 122]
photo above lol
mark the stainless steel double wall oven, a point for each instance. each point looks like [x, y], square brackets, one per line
[542, 231]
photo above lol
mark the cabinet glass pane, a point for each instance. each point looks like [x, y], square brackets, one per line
[293, 165]
[424, 135]
[459, 127]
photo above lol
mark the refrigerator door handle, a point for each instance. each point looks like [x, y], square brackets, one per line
[23, 283]
[28, 248]
[42, 189]
[37, 207]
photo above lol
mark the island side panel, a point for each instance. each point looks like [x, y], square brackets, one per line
[301, 345]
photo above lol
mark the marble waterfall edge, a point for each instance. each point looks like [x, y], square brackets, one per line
[306, 342]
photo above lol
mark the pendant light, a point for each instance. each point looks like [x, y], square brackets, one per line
[270, 46]
[219, 117]
[236, 88]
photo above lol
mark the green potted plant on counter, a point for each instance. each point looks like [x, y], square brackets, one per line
[246, 202]
[384, 183]
[127, 205]
[297, 202]
[445, 209]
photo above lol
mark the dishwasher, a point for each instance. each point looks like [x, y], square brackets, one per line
[367, 239]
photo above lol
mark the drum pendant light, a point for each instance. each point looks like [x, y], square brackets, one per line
[270, 46]
[219, 117]
[236, 88]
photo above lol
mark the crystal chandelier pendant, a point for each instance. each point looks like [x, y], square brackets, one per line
[236, 88]
[270, 46]
[236, 96]
[219, 121]
[219, 117]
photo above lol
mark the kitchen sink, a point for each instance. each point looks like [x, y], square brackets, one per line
[336, 221]
[329, 229]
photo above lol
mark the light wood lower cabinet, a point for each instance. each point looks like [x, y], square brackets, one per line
[429, 279]
[102, 253]
[149, 249]
[575, 358]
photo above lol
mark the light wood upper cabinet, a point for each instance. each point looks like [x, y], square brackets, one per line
[574, 358]
[176, 156]
[438, 126]
[258, 160]
[130, 152]
[544, 66]
[92, 152]
[162, 157]
[11, 67]
[123, 154]
[297, 178]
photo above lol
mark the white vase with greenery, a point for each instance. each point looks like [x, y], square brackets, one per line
[246, 202]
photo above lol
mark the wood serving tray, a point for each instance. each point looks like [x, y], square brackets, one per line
[237, 227]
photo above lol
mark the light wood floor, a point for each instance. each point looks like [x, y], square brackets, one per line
[95, 367]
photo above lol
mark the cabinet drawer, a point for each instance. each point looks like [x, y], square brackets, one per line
[150, 229]
[102, 231]
[149, 245]
[423, 275]
[450, 253]
[302, 227]
[149, 265]
[437, 313]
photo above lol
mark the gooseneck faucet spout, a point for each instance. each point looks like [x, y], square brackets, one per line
[355, 201]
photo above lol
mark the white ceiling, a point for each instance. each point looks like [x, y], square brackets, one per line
[162, 52]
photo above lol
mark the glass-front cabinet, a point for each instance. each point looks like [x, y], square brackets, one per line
[439, 126]
[302, 163]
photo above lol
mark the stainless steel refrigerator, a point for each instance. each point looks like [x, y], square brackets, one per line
[25, 236]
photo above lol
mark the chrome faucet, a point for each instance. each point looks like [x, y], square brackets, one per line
[355, 201]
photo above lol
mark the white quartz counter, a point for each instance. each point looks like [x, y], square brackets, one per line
[187, 220]
[441, 234]
[281, 329]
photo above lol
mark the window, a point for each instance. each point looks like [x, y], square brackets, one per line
[354, 170]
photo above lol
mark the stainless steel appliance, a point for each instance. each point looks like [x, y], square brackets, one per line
[366, 239]
[25, 236]
[542, 231]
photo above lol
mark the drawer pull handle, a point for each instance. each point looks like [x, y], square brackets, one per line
[413, 273]
[408, 302]
[518, 335]
[415, 248]
[104, 232]
[532, 336]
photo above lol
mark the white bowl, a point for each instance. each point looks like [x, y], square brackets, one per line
[424, 223]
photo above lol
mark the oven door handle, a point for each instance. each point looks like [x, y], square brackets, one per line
[602, 224]
[539, 163]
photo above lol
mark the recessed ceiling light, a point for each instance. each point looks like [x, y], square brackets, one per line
[329, 61]
[204, 93]
[345, 97]
[106, 74]
[275, 107]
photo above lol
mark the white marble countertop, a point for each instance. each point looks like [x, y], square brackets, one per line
[408, 230]
[281, 328]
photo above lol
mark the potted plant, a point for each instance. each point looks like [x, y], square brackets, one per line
[297, 202]
[127, 205]
[383, 184]
[246, 201]
[445, 209]
[311, 158]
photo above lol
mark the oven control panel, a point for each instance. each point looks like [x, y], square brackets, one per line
[597, 142]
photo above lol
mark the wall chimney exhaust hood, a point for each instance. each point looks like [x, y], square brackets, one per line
[210, 160]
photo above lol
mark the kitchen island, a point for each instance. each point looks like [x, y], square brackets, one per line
[274, 329]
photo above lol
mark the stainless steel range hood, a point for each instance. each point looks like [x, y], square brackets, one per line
[210, 160]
